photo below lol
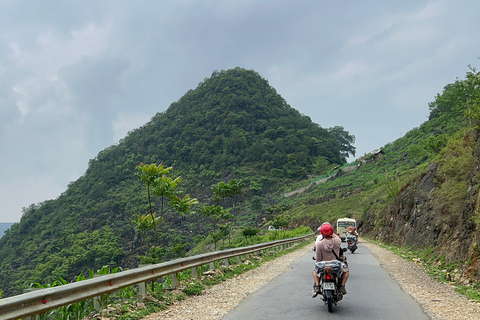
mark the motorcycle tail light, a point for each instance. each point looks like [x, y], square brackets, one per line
[328, 277]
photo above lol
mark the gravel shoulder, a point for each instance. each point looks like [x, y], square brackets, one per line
[439, 300]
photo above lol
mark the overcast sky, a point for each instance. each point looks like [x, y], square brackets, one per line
[76, 76]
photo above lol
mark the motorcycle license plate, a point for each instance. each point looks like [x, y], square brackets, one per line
[328, 286]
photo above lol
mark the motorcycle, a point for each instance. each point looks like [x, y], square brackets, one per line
[351, 240]
[330, 274]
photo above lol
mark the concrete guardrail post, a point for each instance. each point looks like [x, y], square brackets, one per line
[195, 273]
[98, 303]
[175, 280]
[142, 290]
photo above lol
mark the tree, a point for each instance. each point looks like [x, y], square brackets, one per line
[222, 191]
[216, 214]
[279, 220]
[159, 184]
[473, 97]
[249, 232]
[343, 141]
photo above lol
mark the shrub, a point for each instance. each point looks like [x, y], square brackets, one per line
[194, 289]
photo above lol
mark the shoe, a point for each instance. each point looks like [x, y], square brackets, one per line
[343, 290]
[316, 290]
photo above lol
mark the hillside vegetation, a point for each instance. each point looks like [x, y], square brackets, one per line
[421, 192]
[233, 129]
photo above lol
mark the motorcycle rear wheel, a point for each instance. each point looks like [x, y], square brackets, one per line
[329, 297]
[330, 304]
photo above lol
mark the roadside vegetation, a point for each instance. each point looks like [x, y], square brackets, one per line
[125, 304]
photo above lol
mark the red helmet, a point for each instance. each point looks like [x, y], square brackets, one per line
[319, 228]
[326, 230]
[351, 228]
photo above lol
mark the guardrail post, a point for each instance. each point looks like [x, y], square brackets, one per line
[174, 280]
[212, 265]
[195, 273]
[98, 303]
[142, 290]
[238, 259]
[226, 263]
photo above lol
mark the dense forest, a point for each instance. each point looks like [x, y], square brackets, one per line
[233, 129]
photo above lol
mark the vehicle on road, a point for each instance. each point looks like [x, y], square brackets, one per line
[342, 226]
[330, 274]
[351, 240]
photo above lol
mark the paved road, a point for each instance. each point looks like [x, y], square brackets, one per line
[372, 294]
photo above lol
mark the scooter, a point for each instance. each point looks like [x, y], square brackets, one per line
[351, 240]
[330, 274]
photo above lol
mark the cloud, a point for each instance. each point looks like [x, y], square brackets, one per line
[125, 122]
[76, 77]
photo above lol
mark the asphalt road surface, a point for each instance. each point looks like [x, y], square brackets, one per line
[372, 294]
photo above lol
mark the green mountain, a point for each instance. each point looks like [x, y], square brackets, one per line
[234, 125]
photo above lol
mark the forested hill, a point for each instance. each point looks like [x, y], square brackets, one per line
[234, 125]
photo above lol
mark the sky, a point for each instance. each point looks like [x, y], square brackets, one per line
[77, 76]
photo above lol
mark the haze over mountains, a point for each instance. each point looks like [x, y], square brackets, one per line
[4, 226]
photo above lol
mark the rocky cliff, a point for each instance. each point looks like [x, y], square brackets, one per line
[418, 219]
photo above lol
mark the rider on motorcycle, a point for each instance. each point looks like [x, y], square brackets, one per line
[323, 252]
[352, 231]
[320, 236]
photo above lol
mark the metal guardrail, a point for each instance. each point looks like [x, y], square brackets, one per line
[40, 301]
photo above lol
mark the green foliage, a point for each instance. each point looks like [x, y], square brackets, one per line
[80, 310]
[322, 165]
[456, 163]
[472, 89]
[250, 232]
[159, 184]
[216, 215]
[222, 190]
[392, 186]
[194, 288]
[472, 292]
[180, 297]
